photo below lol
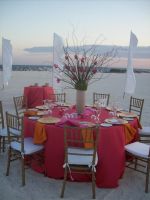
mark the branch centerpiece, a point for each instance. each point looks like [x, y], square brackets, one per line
[80, 65]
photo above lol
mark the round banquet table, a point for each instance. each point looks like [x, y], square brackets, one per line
[111, 153]
[36, 94]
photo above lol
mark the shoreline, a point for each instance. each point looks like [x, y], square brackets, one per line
[101, 69]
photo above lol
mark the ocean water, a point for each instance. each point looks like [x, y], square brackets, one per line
[112, 83]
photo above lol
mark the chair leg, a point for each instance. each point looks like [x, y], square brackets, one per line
[8, 161]
[23, 170]
[64, 183]
[3, 138]
[93, 184]
[147, 176]
[135, 165]
[0, 143]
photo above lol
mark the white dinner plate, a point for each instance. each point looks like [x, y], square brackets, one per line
[87, 124]
[42, 107]
[34, 117]
[128, 118]
[106, 125]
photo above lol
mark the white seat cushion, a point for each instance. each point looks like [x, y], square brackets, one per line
[144, 131]
[81, 159]
[15, 131]
[138, 149]
[3, 132]
[29, 146]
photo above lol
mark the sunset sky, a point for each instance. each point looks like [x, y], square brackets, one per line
[31, 23]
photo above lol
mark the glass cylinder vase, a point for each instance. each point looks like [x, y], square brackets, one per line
[80, 101]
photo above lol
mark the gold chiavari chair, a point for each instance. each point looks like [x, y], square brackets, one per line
[58, 97]
[20, 105]
[80, 145]
[140, 153]
[98, 96]
[19, 146]
[136, 105]
[3, 130]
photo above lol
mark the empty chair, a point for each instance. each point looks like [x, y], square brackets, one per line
[136, 105]
[101, 97]
[20, 105]
[19, 146]
[58, 97]
[3, 130]
[80, 146]
[140, 152]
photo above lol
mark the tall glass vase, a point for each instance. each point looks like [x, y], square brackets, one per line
[80, 101]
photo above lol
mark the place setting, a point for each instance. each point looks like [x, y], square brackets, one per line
[49, 120]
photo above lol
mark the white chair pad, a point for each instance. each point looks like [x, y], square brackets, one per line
[29, 146]
[81, 159]
[138, 149]
[3, 132]
[15, 131]
[145, 131]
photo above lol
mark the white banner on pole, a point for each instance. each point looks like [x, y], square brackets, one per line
[6, 60]
[130, 76]
[58, 53]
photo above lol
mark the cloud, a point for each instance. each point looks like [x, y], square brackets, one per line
[39, 49]
[122, 51]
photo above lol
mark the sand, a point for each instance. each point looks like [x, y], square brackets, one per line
[38, 187]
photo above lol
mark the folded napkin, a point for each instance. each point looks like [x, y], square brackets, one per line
[30, 113]
[130, 133]
[88, 111]
[39, 133]
[86, 134]
[68, 122]
[87, 138]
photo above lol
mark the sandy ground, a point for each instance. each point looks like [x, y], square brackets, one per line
[112, 83]
[38, 187]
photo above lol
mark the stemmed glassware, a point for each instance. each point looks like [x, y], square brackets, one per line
[96, 116]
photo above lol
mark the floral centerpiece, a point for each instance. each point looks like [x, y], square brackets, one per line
[80, 66]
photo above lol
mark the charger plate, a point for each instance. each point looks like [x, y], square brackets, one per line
[126, 114]
[49, 120]
[40, 113]
[116, 121]
[110, 109]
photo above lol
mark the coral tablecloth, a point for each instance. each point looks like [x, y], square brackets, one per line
[36, 94]
[111, 152]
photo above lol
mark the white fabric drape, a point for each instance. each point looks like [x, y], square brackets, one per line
[6, 60]
[130, 76]
[57, 61]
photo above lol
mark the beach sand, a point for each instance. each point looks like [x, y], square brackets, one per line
[111, 83]
[38, 187]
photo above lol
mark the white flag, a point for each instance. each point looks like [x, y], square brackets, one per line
[130, 79]
[57, 61]
[6, 60]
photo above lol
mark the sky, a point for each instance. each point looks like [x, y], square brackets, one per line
[31, 23]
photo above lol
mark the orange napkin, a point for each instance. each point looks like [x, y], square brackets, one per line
[129, 133]
[39, 133]
[87, 135]
[30, 113]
